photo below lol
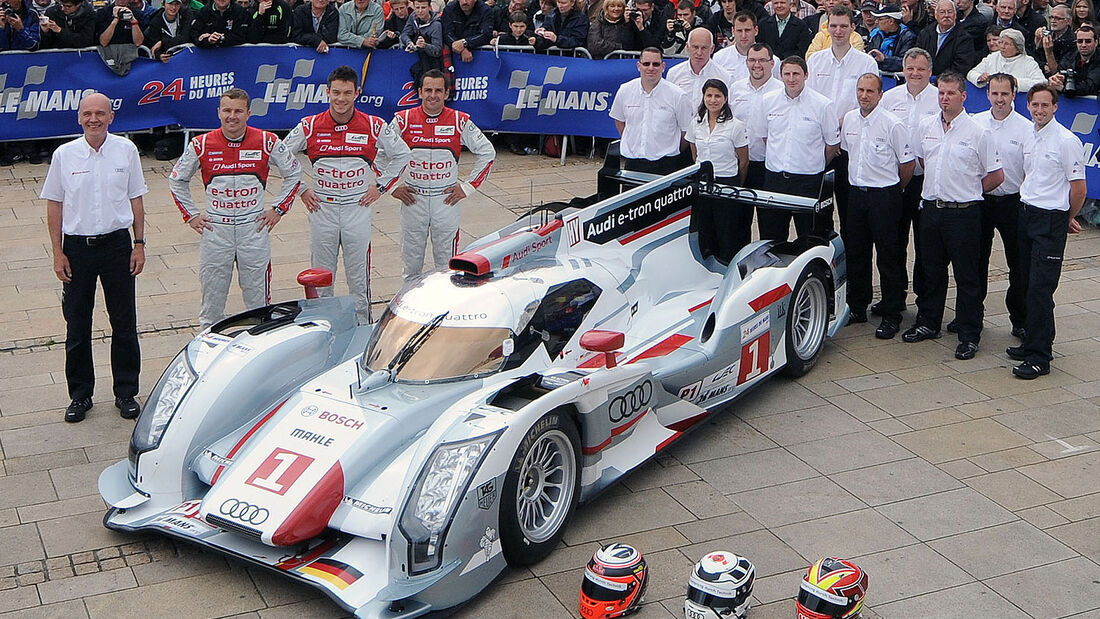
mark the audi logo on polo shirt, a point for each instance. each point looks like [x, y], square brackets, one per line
[626, 405]
[245, 512]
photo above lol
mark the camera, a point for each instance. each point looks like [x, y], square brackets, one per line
[8, 11]
[633, 15]
[1070, 76]
[125, 15]
[678, 26]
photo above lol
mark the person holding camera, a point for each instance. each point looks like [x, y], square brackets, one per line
[650, 22]
[676, 30]
[70, 24]
[119, 24]
[1079, 73]
[169, 27]
[1057, 41]
[612, 31]
[19, 26]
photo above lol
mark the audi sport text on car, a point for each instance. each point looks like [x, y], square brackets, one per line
[400, 466]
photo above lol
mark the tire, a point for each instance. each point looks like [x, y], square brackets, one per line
[528, 535]
[807, 321]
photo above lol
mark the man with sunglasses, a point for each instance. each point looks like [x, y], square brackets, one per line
[1085, 66]
[652, 114]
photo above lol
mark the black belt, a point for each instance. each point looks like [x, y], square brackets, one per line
[796, 176]
[98, 239]
[947, 204]
[876, 189]
[1004, 198]
[1039, 209]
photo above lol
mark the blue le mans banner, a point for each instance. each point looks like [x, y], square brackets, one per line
[506, 91]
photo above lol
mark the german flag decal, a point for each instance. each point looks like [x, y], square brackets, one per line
[338, 574]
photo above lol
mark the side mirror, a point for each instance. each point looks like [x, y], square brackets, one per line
[607, 342]
[312, 279]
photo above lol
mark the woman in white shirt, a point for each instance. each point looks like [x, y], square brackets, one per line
[716, 136]
[1010, 59]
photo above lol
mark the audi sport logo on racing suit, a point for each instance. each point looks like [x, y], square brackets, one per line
[626, 405]
[245, 512]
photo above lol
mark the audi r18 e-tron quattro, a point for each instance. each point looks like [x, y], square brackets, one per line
[400, 466]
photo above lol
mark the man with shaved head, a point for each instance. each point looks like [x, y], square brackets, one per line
[691, 75]
[93, 192]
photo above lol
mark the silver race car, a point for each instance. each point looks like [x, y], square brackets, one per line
[401, 466]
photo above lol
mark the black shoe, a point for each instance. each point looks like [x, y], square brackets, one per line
[857, 316]
[887, 329]
[1016, 353]
[36, 157]
[517, 150]
[919, 333]
[128, 407]
[1030, 371]
[77, 409]
[1019, 333]
[965, 351]
[953, 326]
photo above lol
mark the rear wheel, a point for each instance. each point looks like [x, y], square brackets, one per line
[807, 318]
[540, 490]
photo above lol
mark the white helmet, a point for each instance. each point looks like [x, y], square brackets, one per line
[720, 587]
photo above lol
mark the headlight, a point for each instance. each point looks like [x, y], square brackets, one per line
[161, 406]
[436, 496]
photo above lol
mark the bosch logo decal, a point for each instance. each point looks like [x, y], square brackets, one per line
[340, 420]
[626, 405]
[310, 411]
[245, 512]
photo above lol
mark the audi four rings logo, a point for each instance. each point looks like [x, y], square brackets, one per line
[633, 401]
[245, 512]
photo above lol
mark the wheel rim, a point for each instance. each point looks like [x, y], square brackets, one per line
[545, 490]
[808, 318]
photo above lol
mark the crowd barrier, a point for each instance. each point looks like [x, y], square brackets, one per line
[501, 90]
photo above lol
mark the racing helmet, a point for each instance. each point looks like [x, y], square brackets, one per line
[720, 587]
[832, 589]
[614, 582]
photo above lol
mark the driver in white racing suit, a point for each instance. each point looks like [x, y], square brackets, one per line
[235, 229]
[433, 189]
[356, 158]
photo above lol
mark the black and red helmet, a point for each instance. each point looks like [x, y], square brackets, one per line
[614, 582]
[832, 589]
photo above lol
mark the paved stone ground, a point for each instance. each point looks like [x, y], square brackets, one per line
[963, 492]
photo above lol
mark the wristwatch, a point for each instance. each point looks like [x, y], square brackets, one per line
[139, 241]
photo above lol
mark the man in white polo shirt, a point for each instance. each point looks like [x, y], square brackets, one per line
[746, 97]
[912, 102]
[881, 162]
[691, 75]
[94, 190]
[652, 114]
[801, 134]
[833, 73]
[960, 163]
[1052, 192]
[732, 58]
[1001, 207]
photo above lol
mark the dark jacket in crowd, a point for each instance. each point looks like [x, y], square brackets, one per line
[29, 37]
[1087, 75]
[431, 31]
[795, 40]
[1064, 45]
[271, 27]
[605, 37]
[571, 28]
[893, 47]
[957, 53]
[232, 23]
[506, 38]
[77, 30]
[721, 28]
[395, 25]
[158, 31]
[975, 25]
[476, 28]
[123, 34]
[653, 32]
[303, 32]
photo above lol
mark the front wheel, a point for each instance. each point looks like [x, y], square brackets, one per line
[540, 490]
[807, 319]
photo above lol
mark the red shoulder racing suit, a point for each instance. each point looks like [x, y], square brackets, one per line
[347, 160]
[235, 175]
[436, 144]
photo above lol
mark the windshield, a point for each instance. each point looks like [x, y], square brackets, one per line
[442, 353]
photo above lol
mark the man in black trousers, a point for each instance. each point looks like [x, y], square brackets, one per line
[94, 191]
